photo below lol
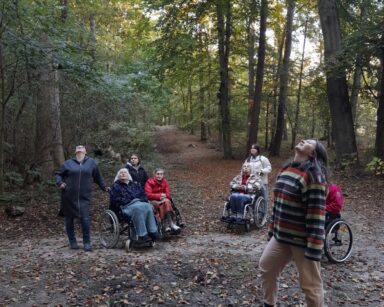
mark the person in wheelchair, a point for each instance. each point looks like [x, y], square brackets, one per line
[157, 190]
[333, 203]
[243, 186]
[129, 197]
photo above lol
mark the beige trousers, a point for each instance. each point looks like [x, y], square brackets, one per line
[275, 257]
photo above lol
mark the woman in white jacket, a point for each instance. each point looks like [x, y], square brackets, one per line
[260, 166]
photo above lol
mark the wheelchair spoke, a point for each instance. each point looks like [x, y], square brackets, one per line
[338, 241]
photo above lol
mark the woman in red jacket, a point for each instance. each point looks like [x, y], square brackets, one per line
[157, 190]
[333, 202]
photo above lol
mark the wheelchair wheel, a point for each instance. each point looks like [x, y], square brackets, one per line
[260, 212]
[247, 218]
[109, 230]
[338, 241]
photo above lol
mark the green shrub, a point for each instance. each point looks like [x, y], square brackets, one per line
[376, 166]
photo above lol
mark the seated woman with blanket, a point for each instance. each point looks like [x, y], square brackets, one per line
[242, 186]
[130, 197]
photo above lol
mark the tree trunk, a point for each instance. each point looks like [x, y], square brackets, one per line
[224, 34]
[337, 90]
[49, 153]
[355, 91]
[274, 92]
[2, 117]
[284, 77]
[379, 143]
[255, 112]
[251, 37]
[295, 126]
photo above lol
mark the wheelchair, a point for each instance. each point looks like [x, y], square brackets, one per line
[113, 225]
[338, 240]
[178, 220]
[255, 212]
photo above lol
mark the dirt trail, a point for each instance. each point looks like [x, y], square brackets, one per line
[207, 265]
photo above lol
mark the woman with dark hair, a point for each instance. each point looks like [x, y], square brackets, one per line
[260, 166]
[136, 170]
[296, 230]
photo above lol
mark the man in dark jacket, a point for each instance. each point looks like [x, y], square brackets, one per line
[75, 181]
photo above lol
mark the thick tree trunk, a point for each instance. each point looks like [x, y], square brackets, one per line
[49, 149]
[379, 144]
[284, 77]
[337, 90]
[295, 126]
[255, 112]
[224, 34]
[2, 118]
[274, 92]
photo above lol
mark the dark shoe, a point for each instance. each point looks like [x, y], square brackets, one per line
[144, 238]
[87, 247]
[267, 305]
[73, 245]
[154, 236]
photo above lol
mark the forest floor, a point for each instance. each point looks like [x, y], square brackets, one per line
[207, 265]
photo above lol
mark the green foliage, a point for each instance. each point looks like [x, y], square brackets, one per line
[14, 179]
[376, 166]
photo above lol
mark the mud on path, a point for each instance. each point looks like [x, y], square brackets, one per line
[207, 265]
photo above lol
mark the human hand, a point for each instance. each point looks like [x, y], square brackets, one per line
[162, 196]
[62, 185]
[107, 189]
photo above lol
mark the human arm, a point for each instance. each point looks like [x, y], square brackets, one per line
[253, 184]
[266, 166]
[314, 196]
[151, 190]
[166, 189]
[236, 185]
[60, 176]
[98, 178]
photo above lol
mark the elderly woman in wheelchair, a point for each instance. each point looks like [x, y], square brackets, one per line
[129, 203]
[246, 204]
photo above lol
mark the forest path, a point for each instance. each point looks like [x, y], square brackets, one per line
[208, 265]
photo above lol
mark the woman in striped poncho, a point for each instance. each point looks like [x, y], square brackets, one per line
[296, 231]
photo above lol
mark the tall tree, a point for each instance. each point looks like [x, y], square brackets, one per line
[284, 77]
[223, 9]
[379, 142]
[295, 126]
[255, 111]
[337, 90]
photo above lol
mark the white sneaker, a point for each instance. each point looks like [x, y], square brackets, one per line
[175, 227]
[167, 229]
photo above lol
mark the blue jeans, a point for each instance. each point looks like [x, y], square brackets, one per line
[237, 202]
[85, 225]
[141, 214]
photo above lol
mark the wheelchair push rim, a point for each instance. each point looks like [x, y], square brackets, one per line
[338, 241]
[260, 212]
[109, 231]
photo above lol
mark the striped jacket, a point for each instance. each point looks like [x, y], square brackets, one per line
[299, 210]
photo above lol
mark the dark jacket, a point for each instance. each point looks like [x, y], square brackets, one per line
[78, 178]
[123, 193]
[138, 175]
